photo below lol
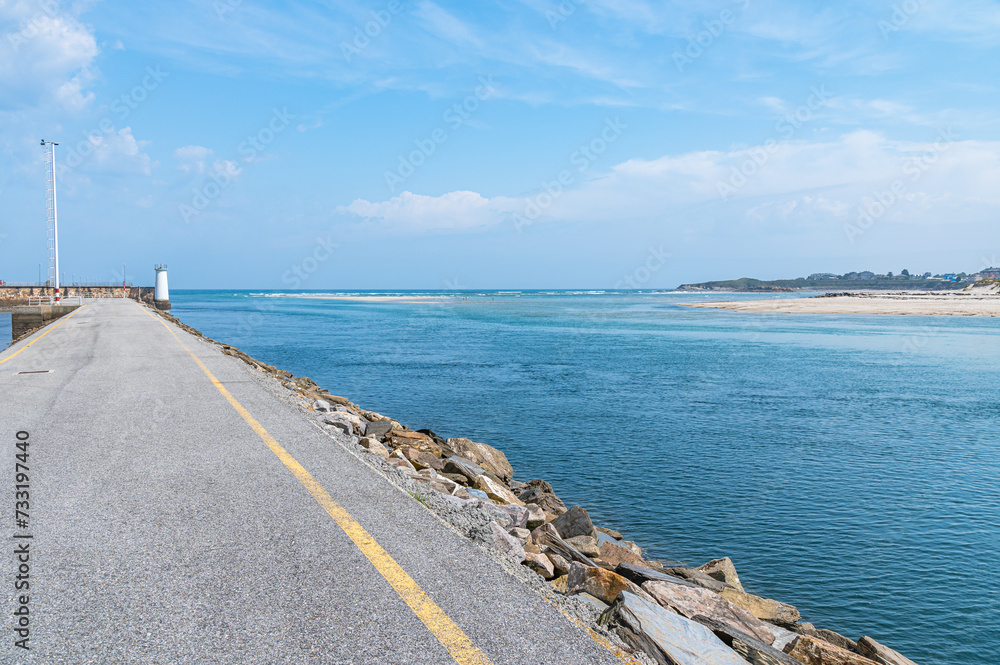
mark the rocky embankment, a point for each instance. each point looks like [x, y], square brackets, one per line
[658, 612]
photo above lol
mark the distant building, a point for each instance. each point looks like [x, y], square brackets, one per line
[990, 273]
[866, 274]
[822, 275]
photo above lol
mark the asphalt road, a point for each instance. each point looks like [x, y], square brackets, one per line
[163, 530]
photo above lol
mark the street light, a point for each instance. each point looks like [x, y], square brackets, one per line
[53, 217]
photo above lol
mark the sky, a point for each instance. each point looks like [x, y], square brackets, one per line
[499, 144]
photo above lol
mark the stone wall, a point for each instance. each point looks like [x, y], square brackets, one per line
[25, 320]
[11, 296]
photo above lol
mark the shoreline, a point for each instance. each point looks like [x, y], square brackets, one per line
[593, 573]
[983, 302]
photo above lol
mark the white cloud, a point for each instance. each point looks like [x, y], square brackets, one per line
[46, 56]
[191, 158]
[793, 182]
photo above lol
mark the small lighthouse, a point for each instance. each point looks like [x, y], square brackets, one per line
[161, 293]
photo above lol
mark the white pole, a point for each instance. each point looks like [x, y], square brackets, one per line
[55, 217]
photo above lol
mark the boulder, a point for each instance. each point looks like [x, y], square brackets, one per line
[463, 467]
[401, 464]
[698, 577]
[422, 460]
[374, 447]
[724, 571]
[501, 541]
[322, 406]
[486, 456]
[598, 582]
[538, 531]
[593, 601]
[341, 424]
[540, 564]
[810, 650]
[635, 549]
[585, 544]
[762, 608]
[378, 429]
[695, 601]
[509, 517]
[550, 503]
[836, 639]
[538, 484]
[521, 534]
[642, 574]
[562, 548]
[477, 494]
[408, 439]
[615, 554]
[496, 491]
[574, 522]
[750, 648]
[881, 654]
[609, 532]
[531, 547]
[559, 564]
[536, 516]
[669, 639]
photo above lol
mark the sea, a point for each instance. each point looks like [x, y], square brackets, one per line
[849, 465]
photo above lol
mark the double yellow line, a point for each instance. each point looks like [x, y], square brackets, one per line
[441, 626]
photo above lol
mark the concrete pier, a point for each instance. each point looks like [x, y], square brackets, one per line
[177, 515]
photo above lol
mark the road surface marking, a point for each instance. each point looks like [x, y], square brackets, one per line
[441, 626]
[62, 320]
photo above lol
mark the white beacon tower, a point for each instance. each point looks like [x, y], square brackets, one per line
[161, 293]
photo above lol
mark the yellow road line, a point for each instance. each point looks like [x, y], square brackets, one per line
[61, 321]
[443, 628]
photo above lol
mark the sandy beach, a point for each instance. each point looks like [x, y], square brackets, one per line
[972, 302]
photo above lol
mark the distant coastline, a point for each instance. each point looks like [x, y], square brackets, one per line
[978, 300]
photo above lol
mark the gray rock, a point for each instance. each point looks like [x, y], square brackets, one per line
[585, 544]
[837, 639]
[422, 460]
[881, 654]
[698, 577]
[342, 424]
[502, 542]
[536, 516]
[560, 566]
[550, 503]
[561, 547]
[464, 467]
[604, 538]
[378, 429]
[477, 494]
[574, 522]
[695, 601]
[486, 456]
[669, 639]
[641, 574]
[540, 564]
[322, 406]
[724, 571]
[521, 534]
[611, 533]
[750, 648]
[593, 601]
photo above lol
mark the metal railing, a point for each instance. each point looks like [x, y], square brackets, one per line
[51, 300]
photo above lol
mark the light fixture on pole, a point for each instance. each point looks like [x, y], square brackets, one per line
[53, 218]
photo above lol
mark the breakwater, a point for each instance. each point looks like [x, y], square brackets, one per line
[12, 296]
[600, 568]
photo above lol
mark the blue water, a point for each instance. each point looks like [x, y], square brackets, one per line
[849, 465]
